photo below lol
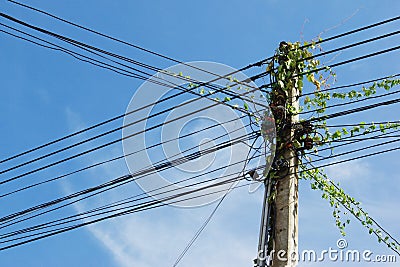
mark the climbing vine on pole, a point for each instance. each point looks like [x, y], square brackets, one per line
[295, 63]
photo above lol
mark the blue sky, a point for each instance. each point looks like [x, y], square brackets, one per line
[45, 94]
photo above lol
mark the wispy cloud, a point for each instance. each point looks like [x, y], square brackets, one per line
[157, 237]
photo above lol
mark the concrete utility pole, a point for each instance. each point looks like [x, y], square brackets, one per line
[279, 222]
[286, 200]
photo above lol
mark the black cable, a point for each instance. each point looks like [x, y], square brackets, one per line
[352, 60]
[92, 127]
[357, 150]
[132, 199]
[129, 199]
[127, 73]
[355, 110]
[88, 151]
[337, 162]
[351, 85]
[78, 56]
[89, 48]
[161, 163]
[348, 140]
[354, 158]
[352, 45]
[205, 223]
[335, 50]
[351, 140]
[344, 161]
[117, 158]
[121, 71]
[120, 204]
[350, 32]
[125, 178]
[379, 152]
[176, 61]
[130, 44]
[133, 210]
[200, 230]
[147, 206]
[116, 140]
[352, 101]
[361, 124]
[340, 49]
[157, 201]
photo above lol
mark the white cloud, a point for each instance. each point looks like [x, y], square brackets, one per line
[157, 237]
[348, 170]
[74, 120]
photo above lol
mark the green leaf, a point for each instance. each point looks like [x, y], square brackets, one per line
[382, 128]
[337, 135]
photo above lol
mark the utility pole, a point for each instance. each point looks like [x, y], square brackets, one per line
[279, 221]
[286, 200]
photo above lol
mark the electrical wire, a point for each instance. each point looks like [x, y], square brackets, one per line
[114, 141]
[362, 57]
[353, 45]
[199, 231]
[351, 85]
[348, 140]
[126, 178]
[148, 77]
[204, 225]
[355, 110]
[142, 196]
[358, 150]
[352, 101]
[146, 206]
[127, 43]
[354, 158]
[351, 140]
[361, 124]
[177, 61]
[90, 49]
[117, 204]
[84, 130]
[126, 200]
[117, 158]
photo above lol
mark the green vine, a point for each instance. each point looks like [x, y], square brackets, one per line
[293, 62]
[294, 66]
